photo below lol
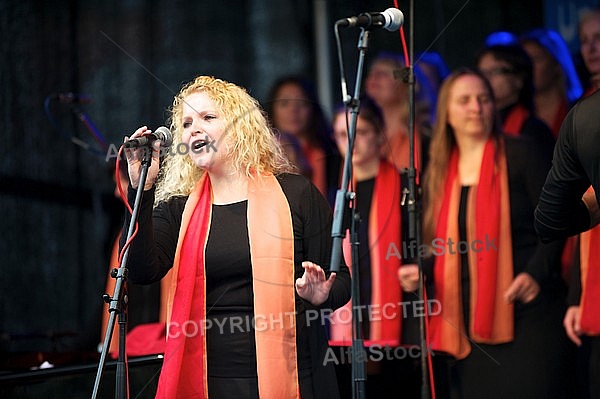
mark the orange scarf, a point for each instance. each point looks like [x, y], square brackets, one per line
[315, 157]
[272, 253]
[385, 228]
[590, 281]
[397, 150]
[513, 123]
[488, 218]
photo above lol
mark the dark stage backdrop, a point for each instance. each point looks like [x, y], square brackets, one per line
[57, 209]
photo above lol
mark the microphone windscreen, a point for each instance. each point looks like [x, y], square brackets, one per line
[165, 136]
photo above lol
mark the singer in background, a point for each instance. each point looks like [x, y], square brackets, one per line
[509, 70]
[245, 238]
[501, 296]
[589, 37]
[378, 187]
[557, 86]
[294, 109]
[386, 85]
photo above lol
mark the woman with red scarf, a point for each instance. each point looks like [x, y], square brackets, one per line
[249, 245]
[509, 70]
[498, 285]
[385, 84]
[377, 185]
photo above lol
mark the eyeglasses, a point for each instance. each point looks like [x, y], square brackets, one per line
[497, 71]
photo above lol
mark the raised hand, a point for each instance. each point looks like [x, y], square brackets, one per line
[313, 285]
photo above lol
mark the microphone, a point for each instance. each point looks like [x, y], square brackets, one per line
[162, 133]
[73, 98]
[391, 19]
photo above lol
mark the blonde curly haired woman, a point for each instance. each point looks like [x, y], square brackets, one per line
[249, 244]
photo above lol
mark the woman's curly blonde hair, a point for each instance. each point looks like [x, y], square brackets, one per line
[251, 145]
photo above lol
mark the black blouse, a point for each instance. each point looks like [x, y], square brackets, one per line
[152, 253]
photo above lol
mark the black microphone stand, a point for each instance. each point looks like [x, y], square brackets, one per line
[118, 301]
[87, 122]
[412, 200]
[343, 195]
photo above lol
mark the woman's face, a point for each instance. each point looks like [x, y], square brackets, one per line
[292, 111]
[589, 36]
[203, 132]
[470, 107]
[546, 71]
[384, 84]
[367, 142]
[505, 83]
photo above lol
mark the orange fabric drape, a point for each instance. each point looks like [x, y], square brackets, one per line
[272, 255]
[491, 271]
[385, 228]
[318, 164]
[589, 304]
[396, 150]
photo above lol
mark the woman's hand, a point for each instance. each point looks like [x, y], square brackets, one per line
[524, 288]
[313, 286]
[134, 160]
[409, 277]
[590, 201]
[571, 322]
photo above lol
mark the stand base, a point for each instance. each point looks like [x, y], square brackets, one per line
[75, 381]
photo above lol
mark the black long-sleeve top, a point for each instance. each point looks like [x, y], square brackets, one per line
[527, 169]
[533, 128]
[576, 165]
[152, 253]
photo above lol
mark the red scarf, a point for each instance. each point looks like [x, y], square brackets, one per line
[488, 218]
[272, 253]
[513, 123]
[589, 304]
[385, 228]
[590, 271]
[559, 117]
